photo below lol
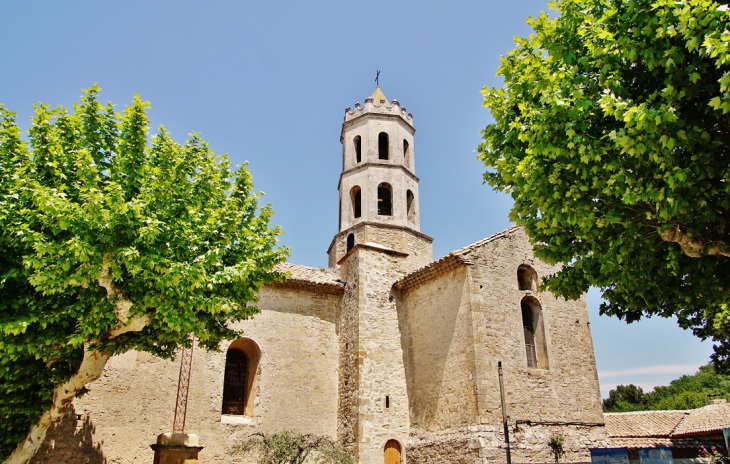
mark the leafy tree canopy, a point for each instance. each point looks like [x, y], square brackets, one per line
[109, 243]
[288, 447]
[686, 392]
[612, 134]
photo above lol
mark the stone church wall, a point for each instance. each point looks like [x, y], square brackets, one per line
[568, 390]
[134, 400]
[459, 325]
[383, 412]
[440, 365]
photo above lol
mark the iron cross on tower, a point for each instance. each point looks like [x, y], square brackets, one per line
[377, 76]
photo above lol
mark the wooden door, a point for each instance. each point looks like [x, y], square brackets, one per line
[392, 452]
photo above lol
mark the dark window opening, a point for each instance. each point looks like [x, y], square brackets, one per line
[410, 210]
[526, 278]
[387, 402]
[529, 330]
[355, 193]
[358, 149]
[235, 382]
[383, 146]
[405, 148]
[350, 241]
[385, 202]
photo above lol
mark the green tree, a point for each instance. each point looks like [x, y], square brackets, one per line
[293, 448]
[686, 392]
[108, 243]
[625, 398]
[611, 133]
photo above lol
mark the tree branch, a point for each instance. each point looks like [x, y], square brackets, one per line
[693, 247]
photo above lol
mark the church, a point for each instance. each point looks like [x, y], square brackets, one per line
[387, 350]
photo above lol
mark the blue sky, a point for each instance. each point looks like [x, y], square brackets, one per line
[268, 82]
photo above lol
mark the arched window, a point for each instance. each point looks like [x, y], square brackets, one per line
[405, 149]
[350, 241]
[383, 146]
[526, 278]
[242, 361]
[356, 197]
[392, 452]
[385, 200]
[534, 332]
[358, 149]
[410, 207]
[235, 382]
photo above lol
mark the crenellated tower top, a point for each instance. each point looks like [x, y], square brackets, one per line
[378, 104]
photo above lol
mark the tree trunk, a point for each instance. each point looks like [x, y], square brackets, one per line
[91, 369]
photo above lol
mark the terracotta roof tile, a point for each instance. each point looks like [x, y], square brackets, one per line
[654, 442]
[642, 423]
[310, 276]
[448, 262]
[712, 417]
[668, 424]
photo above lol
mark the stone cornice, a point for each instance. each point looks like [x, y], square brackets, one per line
[380, 165]
[367, 246]
[310, 286]
[381, 225]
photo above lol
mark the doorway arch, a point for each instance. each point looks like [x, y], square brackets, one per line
[392, 452]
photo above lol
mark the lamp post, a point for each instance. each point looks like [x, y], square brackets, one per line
[504, 413]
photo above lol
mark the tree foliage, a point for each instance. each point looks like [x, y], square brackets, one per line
[612, 134]
[288, 447]
[108, 243]
[686, 392]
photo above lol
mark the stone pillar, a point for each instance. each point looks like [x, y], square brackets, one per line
[176, 448]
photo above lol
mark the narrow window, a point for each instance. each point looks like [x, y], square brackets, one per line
[387, 401]
[235, 382]
[355, 195]
[534, 332]
[529, 332]
[350, 241]
[526, 278]
[410, 210]
[383, 146]
[358, 149]
[405, 149]
[385, 202]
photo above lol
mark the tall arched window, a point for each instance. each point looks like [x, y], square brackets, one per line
[350, 242]
[410, 207]
[356, 197]
[383, 146]
[239, 379]
[235, 382]
[534, 332]
[358, 149]
[385, 200]
[405, 149]
[526, 278]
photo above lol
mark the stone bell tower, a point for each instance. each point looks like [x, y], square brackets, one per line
[378, 187]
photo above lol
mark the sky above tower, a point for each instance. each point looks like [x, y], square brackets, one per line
[268, 83]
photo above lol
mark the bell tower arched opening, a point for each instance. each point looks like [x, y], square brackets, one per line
[385, 200]
[383, 146]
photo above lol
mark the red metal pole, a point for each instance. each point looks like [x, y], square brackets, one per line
[183, 385]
